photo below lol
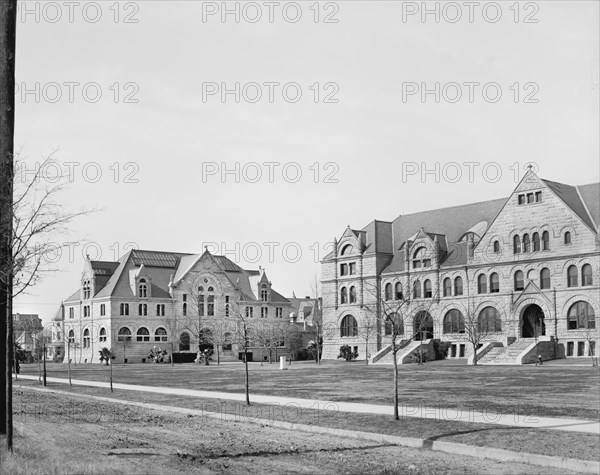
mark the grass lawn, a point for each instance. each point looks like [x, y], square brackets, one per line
[552, 391]
[142, 441]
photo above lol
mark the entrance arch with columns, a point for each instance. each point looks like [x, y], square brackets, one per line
[534, 316]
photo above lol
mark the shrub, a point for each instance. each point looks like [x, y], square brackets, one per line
[441, 349]
[347, 353]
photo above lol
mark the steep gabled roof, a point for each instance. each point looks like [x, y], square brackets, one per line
[569, 195]
[591, 196]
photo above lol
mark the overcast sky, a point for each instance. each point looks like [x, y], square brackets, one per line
[364, 131]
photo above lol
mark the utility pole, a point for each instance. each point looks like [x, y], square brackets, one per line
[8, 29]
[44, 363]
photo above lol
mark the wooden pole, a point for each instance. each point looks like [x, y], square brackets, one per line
[8, 28]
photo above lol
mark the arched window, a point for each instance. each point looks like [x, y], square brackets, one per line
[519, 280]
[447, 287]
[86, 338]
[526, 243]
[568, 237]
[581, 316]
[586, 275]
[347, 249]
[160, 334]
[184, 342]
[71, 337]
[545, 241]
[454, 322]
[124, 334]
[490, 321]
[496, 247]
[143, 334]
[210, 288]
[417, 290]
[388, 292]
[458, 286]
[264, 294]
[399, 294]
[572, 276]
[102, 334]
[87, 290]
[227, 342]
[481, 284]
[210, 311]
[201, 308]
[352, 294]
[344, 295]
[142, 289]
[394, 324]
[545, 278]
[536, 241]
[420, 258]
[427, 289]
[516, 244]
[494, 283]
[349, 326]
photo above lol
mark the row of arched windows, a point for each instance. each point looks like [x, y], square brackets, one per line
[573, 276]
[580, 316]
[348, 295]
[527, 243]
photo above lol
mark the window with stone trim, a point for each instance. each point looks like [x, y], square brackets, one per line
[249, 312]
[427, 292]
[567, 238]
[142, 289]
[143, 334]
[143, 310]
[349, 327]
[388, 292]
[545, 278]
[421, 259]
[581, 316]
[71, 337]
[343, 295]
[184, 342]
[124, 309]
[494, 283]
[516, 244]
[481, 284]
[496, 247]
[519, 280]
[160, 334]
[102, 310]
[586, 275]
[417, 289]
[458, 286]
[352, 294]
[160, 310]
[393, 324]
[264, 312]
[398, 291]
[124, 334]
[86, 338]
[572, 280]
[264, 293]
[489, 320]
[526, 243]
[536, 241]
[447, 287]
[545, 241]
[102, 335]
[454, 322]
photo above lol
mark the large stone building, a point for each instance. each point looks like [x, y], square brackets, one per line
[525, 269]
[179, 302]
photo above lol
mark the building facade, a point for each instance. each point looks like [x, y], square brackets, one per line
[526, 268]
[182, 303]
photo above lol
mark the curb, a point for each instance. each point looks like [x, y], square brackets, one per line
[502, 455]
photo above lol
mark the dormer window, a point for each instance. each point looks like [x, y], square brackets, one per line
[142, 289]
[420, 258]
[347, 249]
[264, 293]
[87, 290]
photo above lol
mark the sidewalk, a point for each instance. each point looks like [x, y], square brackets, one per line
[423, 412]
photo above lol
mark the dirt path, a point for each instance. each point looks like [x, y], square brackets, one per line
[93, 437]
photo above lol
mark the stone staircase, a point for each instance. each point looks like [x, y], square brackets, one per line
[506, 355]
[385, 356]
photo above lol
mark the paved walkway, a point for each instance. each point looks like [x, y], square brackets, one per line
[424, 411]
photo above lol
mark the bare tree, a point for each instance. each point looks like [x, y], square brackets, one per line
[392, 312]
[174, 326]
[243, 338]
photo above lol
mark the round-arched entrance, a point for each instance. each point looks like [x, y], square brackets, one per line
[532, 322]
[423, 325]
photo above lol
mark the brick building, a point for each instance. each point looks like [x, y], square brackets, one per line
[175, 301]
[525, 268]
